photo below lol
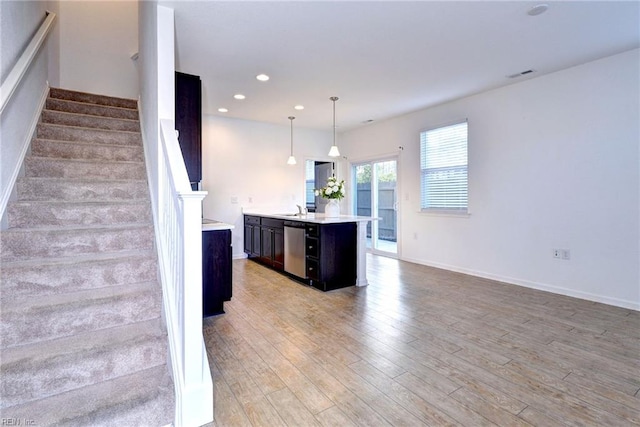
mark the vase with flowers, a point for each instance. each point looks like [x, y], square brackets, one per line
[334, 191]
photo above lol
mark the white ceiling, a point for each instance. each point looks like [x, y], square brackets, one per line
[382, 59]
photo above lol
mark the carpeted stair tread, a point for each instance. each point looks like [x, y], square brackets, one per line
[92, 98]
[45, 188]
[76, 133]
[65, 213]
[91, 109]
[49, 276]
[79, 168]
[24, 243]
[32, 319]
[82, 334]
[87, 121]
[36, 371]
[86, 150]
[143, 399]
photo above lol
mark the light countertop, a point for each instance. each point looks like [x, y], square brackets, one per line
[213, 225]
[317, 218]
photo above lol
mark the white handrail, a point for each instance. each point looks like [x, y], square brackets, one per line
[179, 220]
[22, 65]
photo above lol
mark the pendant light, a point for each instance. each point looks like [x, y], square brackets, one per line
[292, 160]
[334, 152]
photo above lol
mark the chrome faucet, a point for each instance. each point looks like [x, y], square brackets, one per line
[301, 210]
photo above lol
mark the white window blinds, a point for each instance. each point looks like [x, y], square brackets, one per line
[443, 168]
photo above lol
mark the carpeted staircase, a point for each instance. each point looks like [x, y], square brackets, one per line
[81, 335]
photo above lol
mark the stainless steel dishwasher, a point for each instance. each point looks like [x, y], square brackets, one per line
[295, 249]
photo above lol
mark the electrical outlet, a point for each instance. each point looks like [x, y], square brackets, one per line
[565, 253]
[556, 253]
[234, 199]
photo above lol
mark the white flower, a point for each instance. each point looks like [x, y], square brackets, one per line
[317, 192]
[335, 188]
[329, 190]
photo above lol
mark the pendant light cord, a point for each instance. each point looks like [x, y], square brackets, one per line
[291, 118]
[334, 99]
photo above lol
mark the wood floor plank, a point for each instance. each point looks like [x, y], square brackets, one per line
[600, 404]
[334, 416]
[261, 412]
[227, 411]
[493, 413]
[291, 409]
[419, 346]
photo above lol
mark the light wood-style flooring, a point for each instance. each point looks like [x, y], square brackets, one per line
[419, 346]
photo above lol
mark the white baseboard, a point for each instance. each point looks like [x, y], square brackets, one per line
[632, 305]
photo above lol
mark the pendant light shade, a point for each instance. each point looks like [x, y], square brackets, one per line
[334, 152]
[292, 160]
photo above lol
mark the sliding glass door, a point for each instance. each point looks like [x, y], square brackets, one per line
[377, 196]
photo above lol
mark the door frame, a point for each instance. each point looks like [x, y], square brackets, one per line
[372, 160]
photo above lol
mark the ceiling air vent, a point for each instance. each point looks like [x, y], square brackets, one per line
[520, 74]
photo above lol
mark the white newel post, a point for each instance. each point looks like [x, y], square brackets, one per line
[362, 254]
[197, 399]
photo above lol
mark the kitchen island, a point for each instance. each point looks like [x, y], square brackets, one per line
[324, 252]
[216, 266]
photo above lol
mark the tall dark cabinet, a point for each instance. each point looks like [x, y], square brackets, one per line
[216, 271]
[189, 124]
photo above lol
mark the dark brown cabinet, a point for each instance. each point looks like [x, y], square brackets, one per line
[331, 251]
[264, 240]
[252, 238]
[188, 117]
[216, 271]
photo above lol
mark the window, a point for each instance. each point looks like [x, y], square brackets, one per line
[443, 168]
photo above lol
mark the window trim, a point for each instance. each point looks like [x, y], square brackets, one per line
[444, 212]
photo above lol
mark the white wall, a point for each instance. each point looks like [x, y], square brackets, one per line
[553, 163]
[148, 77]
[19, 21]
[248, 160]
[97, 39]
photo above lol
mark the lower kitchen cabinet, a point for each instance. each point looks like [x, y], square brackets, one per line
[331, 252]
[216, 271]
[264, 240]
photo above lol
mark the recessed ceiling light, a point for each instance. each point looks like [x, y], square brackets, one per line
[223, 110]
[538, 9]
[262, 77]
[239, 96]
[299, 107]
